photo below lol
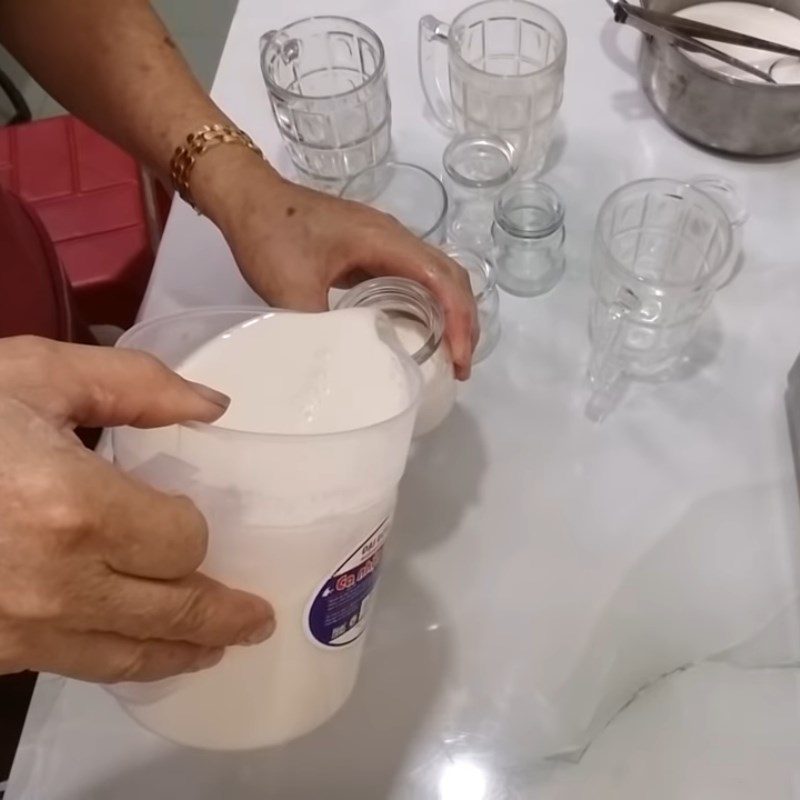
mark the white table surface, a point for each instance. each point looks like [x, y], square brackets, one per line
[545, 572]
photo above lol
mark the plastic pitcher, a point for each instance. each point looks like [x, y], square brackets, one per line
[298, 519]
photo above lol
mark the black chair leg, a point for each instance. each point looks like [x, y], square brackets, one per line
[15, 697]
[21, 108]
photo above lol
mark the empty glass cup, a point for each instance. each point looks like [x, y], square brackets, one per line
[503, 73]
[327, 83]
[475, 170]
[528, 235]
[483, 279]
[662, 249]
[411, 194]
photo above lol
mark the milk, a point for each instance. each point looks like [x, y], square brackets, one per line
[298, 482]
[759, 21]
[304, 373]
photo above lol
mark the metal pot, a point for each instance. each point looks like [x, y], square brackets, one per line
[719, 111]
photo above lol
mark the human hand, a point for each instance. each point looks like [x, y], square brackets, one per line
[98, 572]
[293, 244]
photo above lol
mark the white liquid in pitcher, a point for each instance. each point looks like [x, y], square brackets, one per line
[298, 520]
[759, 21]
[303, 373]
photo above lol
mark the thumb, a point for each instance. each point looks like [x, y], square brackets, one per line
[114, 386]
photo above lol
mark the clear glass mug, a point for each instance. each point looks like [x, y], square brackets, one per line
[503, 74]
[662, 249]
[327, 83]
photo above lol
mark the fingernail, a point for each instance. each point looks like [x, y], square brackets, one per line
[212, 395]
[207, 660]
[260, 634]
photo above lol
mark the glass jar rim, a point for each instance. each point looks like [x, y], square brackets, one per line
[286, 94]
[479, 263]
[248, 313]
[472, 140]
[409, 298]
[551, 203]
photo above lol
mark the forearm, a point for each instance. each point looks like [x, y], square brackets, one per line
[112, 63]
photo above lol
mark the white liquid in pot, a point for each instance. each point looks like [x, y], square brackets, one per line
[755, 20]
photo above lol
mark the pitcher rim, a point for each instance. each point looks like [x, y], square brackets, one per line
[411, 369]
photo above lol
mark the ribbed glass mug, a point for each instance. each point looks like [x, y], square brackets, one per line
[327, 83]
[662, 249]
[503, 73]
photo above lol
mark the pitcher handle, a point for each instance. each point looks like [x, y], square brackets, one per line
[433, 68]
[606, 369]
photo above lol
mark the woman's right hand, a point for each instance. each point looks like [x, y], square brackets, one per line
[98, 572]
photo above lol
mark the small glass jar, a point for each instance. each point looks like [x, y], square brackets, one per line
[475, 170]
[528, 237]
[483, 279]
[418, 321]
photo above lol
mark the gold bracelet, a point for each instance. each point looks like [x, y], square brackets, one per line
[197, 143]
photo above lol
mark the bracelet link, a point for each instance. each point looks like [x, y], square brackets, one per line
[197, 143]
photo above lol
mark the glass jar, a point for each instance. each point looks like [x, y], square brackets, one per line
[483, 280]
[475, 170]
[528, 237]
[418, 321]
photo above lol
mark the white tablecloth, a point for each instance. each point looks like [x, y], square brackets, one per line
[543, 570]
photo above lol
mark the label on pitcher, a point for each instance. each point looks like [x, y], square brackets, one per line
[337, 613]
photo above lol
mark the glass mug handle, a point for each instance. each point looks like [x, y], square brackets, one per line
[263, 44]
[433, 68]
[288, 49]
[606, 369]
[726, 194]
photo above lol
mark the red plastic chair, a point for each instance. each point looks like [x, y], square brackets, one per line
[96, 206]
